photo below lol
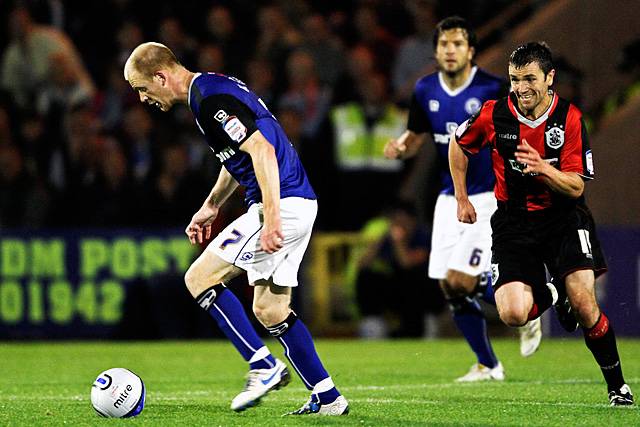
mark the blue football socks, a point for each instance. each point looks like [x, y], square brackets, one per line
[229, 313]
[470, 320]
[299, 349]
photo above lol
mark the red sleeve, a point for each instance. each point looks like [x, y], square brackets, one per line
[473, 134]
[576, 154]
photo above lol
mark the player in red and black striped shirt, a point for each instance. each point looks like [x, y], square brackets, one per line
[541, 158]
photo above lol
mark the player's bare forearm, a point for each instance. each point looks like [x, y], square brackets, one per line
[406, 146]
[267, 173]
[223, 188]
[569, 184]
[458, 164]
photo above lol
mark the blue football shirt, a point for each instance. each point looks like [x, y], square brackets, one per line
[228, 113]
[438, 110]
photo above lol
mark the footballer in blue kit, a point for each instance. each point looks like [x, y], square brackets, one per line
[460, 255]
[268, 242]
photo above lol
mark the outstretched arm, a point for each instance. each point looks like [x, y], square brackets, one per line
[458, 163]
[199, 229]
[407, 145]
[265, 164]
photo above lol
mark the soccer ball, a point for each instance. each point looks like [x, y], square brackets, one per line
[118, 393]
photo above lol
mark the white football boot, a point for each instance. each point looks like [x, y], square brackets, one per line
[479, 372]
[340, 406]
[530, 337]
[259, 383]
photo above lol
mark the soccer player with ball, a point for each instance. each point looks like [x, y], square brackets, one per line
[268, 241]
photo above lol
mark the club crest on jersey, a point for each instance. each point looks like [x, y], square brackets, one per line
[434, 105]
[495, 273]
[472, 105]
[555, 137]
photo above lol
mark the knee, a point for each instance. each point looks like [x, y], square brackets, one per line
[513, 317]
[458, 284]
[270, 314]
[586, 310]
[191, 281]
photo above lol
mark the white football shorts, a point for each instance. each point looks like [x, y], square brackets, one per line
[239, 242]
[459, 246]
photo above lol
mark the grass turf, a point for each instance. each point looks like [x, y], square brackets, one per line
[387, 383]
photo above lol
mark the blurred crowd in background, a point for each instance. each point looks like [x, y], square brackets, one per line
[77, 149]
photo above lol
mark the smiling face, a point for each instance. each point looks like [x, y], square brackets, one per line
[531, 88]
[453, 52]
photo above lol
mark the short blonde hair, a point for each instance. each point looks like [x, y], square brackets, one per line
[148, 58]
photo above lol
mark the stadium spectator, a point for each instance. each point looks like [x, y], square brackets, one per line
[373, 35]
[360, 130]
[277, 38]
[460, 254]
[360, 62]
[23, 200]
[128, 36]
[415, 54]
[29, 60]
[211, 57]
[268, 242]
[398, 256]
[171, 193]
[306, 89]
[541, 159]
[221, 30]
[139, 136]
[117, 193]
[325, 48]
[260, 78]
[172, 33]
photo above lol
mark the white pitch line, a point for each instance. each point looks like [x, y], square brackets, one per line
[369, 400]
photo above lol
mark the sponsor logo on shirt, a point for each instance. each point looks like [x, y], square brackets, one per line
[509, 136]
[225, 154]
[235, 129]
[434, 105]
[232, 125]
[221, 116]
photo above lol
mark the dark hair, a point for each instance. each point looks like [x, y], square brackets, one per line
[453, 22]
[532, 52]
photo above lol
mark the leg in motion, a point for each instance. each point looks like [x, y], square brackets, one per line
[232, 319]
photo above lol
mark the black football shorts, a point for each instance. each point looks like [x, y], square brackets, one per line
[563, 240]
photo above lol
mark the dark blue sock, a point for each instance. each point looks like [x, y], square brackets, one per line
[228, 312]
[485, 289]
[470, 320]
[299, 349]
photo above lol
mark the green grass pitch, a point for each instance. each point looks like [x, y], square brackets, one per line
[403, 383]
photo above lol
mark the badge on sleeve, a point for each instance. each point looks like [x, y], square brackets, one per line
[236, 130]
[589, 161]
